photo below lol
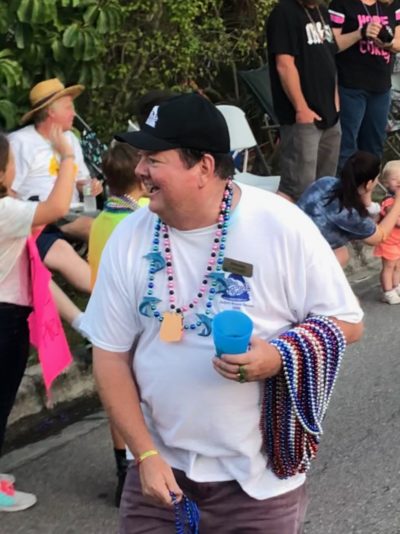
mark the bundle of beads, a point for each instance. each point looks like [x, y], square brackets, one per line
[187, 516]
[296, 400]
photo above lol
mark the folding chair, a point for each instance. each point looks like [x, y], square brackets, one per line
[242, 140]
[92, 148]
[258, 83]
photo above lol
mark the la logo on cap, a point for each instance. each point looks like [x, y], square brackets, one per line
[153, 117]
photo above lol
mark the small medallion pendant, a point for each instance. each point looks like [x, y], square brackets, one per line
[171, 327]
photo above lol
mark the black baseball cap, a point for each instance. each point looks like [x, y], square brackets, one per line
[183, 121]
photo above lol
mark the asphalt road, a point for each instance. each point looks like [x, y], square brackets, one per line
[354, 484]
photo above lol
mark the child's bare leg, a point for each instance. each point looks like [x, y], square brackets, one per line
[62, 258]
[387, 273]
[396, 274]
[66, 308]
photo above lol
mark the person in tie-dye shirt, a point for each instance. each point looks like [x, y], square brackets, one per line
[340, 206]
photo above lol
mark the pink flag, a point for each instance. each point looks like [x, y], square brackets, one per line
[46, 330]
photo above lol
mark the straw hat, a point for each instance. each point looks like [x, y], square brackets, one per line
[44, 93]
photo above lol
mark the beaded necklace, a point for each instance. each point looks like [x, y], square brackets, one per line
[296, 400]
[368, 11]
[213, 282]
[121, 203]
[187, 516]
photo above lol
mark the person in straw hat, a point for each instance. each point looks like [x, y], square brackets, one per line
[37, 164]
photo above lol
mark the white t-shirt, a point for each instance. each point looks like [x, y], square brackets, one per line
[203, 424]
[37, 164]
[16, 219]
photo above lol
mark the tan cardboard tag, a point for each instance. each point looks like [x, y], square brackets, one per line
[171, 327]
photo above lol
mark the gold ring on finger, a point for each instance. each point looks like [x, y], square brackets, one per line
[242, 374]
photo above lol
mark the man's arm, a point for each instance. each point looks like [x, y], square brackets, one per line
[352, 331]
[290, 80]
[394, 46]
[119, 394]
[346, 40]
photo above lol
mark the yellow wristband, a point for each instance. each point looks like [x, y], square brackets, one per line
[144, 455]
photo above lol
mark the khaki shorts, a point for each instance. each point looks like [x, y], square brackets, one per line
[224, 509]
[307, 153]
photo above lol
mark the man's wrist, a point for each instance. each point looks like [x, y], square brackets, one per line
[146, 454]
[301, 109]
[275, 360]
[363, 31]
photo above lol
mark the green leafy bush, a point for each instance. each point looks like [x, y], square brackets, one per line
[122, 48]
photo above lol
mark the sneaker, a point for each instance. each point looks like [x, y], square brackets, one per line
[391, 297]
[14, 501]
[397, 289]
[8, 478]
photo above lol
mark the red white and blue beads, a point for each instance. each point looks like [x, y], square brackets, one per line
[295, 401]
[211, 282]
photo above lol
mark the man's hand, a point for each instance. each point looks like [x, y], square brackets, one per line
[372, 30]
[306, 116]
[96, 185]
[260, 362]
[157, 480]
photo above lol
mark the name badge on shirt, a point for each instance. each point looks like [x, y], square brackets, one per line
[237, 267]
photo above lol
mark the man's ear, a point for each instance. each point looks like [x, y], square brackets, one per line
[50, 111]
[206, 169]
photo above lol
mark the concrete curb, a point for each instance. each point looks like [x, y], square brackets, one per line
[77, 383]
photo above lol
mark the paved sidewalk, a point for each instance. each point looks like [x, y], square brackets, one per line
[353, 484]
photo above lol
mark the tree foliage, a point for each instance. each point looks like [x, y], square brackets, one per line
[122, 48]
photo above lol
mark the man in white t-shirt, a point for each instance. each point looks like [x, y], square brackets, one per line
[192, 421]
[37, 165]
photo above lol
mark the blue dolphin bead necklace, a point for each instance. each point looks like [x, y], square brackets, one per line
[213, 282]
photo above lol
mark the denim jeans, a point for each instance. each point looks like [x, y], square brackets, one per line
[14, 352]
[363, 117]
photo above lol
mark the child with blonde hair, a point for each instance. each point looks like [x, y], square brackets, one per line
[389, 249]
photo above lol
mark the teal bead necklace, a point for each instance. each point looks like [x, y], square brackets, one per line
[213, 281]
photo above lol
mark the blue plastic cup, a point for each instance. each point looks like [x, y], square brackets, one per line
[232, 331]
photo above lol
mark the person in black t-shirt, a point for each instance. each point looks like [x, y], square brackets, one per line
[301, 50]
[367, 33]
